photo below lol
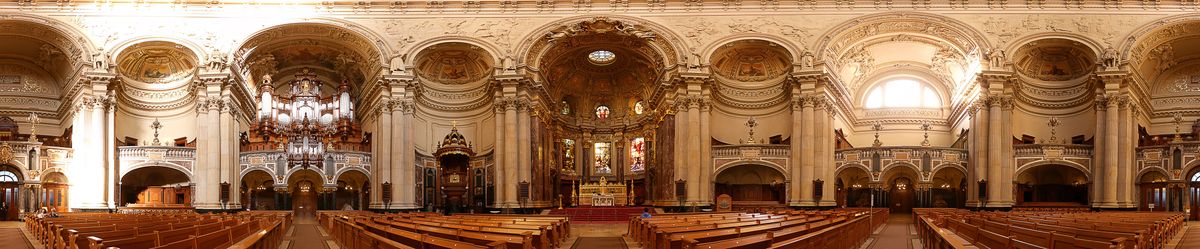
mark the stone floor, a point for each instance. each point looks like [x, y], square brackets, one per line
[598, 230]
[897, 233]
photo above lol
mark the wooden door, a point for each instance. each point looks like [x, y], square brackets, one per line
[304, 199]
[9, 196]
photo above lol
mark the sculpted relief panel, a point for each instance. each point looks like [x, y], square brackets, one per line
[454, 64]
[17, 79]
[156, 64]
[751, 61]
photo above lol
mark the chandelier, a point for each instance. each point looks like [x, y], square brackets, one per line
[302, 123]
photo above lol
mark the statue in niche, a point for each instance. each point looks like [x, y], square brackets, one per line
[397, 64]
[1110, 57]
[806, 60]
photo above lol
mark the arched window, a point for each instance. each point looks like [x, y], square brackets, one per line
[903, 93]
[6, 176]
[1195, 177]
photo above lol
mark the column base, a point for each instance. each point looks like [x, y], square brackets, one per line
[1107, 205]
[973, 203]
[827, 203]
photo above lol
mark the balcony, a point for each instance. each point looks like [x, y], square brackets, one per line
[772, 153]
[1171, 158]
[179, 158]
[876, 160]
[1030, 155]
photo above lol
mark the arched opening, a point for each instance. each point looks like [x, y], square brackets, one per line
[752, 185]
[258, 191]
[1052, 184]
[1193, 209]
[853, 188]
[156, 187]
[900, 189]
[10, 192]
[304, 186]
[948, 189]
[54, 192]
[1154, 190]
[350, 193]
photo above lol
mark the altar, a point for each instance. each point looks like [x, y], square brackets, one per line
[603, 193]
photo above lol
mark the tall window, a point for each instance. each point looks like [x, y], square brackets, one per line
[603, 163]
[6, 176]
[637, 152]
[903, 93]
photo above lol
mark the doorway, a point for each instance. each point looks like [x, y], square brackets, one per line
[10, 192]
[1052, 183]
[902, 198]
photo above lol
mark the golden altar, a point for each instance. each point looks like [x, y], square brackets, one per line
[603, 193]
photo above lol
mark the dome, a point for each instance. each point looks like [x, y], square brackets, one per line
[454, 143]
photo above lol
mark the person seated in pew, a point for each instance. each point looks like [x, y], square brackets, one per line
[646, 213]
[53, 212]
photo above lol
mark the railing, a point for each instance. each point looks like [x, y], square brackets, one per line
[763, 150]
[156, 152]
[888, 152]
[1052, 150]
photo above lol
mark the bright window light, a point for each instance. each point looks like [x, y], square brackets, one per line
[903, 94]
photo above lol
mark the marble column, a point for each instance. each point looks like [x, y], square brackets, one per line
[826, 141]
[524, 147]
[1125, 148]
[680, 147]
[200, 197]
[229, 148]
[796, 147]
[395, 171]
[1006, 153]
[706, 172]
[806, 152]
[408, 164]
[511, 157]
[693, 166]
[995, 141]
[1098, 158]
[383, 161]
[1110, 155]
[981, 151]
[498, 154]
[213, 174]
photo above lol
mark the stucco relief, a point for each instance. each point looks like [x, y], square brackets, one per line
[156, 65]
[504, 33]
[703, 31]
[751, 61]
[24, 80]
[456, 65]
[1106, 29]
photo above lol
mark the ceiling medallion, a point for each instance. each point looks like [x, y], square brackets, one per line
[602, 57]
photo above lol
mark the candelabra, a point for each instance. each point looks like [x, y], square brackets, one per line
[877, 127]
[751, 124]
[156, 125]
[925, 127]
[1053, 123]
[1178, 119]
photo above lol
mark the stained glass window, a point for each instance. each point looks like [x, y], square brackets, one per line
[637, 153]
[638, 108]
[602, 112]
[602, 57]
[603, 163]
[568, 154]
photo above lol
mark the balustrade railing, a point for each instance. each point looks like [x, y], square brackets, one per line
[157, 152]
[1063, 150]
[891, 151]
[763, 150]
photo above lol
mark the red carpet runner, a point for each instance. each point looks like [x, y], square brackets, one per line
[586, 214]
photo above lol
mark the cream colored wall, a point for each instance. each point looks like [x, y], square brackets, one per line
[901, 135]
[127, 125]
[429, 130]
[1025, 123]
[729, 128]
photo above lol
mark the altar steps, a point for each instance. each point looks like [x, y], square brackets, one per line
[599, 214]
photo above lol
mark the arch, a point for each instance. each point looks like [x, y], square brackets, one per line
[297, 170]
[257, 168]
[410, 55]
[1015, 44]
[186, 172]
[343, 170]
[1147, 170]
[888, 172]
[21, 172]
[46, 172]
[20, 176]
[793, 51]
[1135, 43]
[668, 43]
[941, 26]
[920, 75]
[847, 166]
[954, 166]
[767, 164]
[376, 53]
[192, 47]
[1190, 169]
[81, 44]
[1086, 173]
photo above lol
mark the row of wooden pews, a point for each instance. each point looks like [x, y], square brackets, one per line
[359, 229]
[843, 228]
[257, 229]
[1049, 229]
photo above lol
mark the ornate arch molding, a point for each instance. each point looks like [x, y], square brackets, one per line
[164, 164]
[1082, 168]
[1015, 44]
[1142, 172]
[61, 34]
[367, 43]
[894, 168]
[794, 51]
[473, 94]
[841, 37]
[778, 168]
[847, 166]
[1140, 41]
[142, 99]
[246, 171]
[343, 170]
[667, 43]
[293, 171]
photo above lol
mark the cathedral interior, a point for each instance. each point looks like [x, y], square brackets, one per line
[530, 106]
